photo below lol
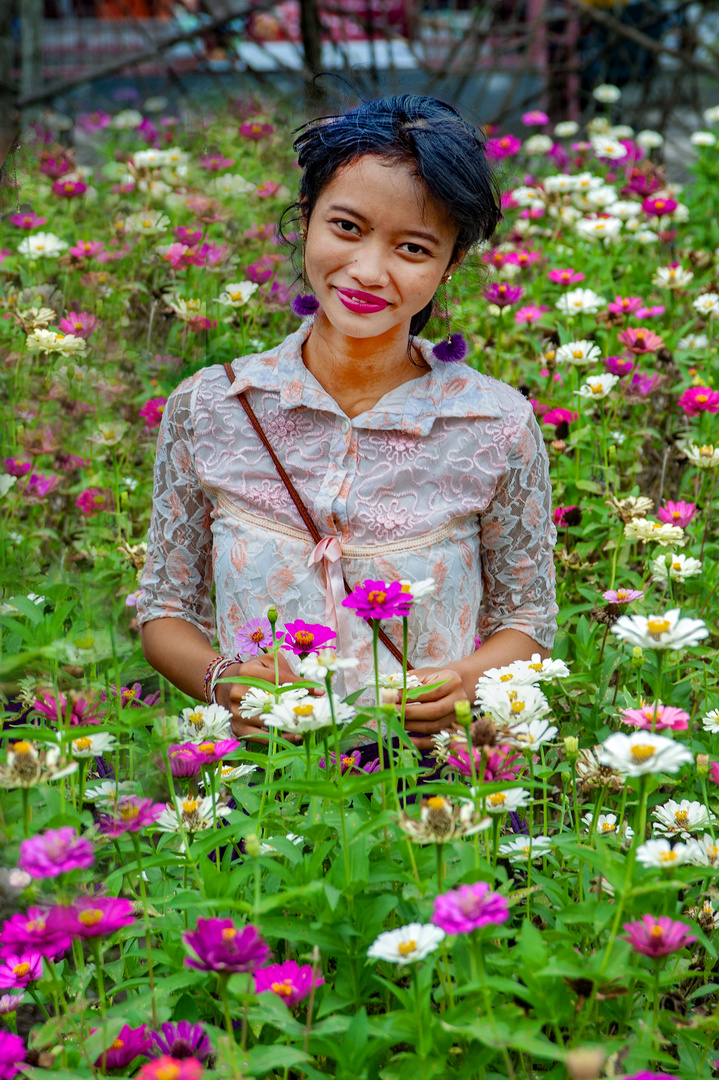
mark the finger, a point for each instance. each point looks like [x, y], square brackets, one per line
[433, 710]
[428, 727]
[451, 685]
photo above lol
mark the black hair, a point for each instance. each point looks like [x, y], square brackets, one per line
[443, 151]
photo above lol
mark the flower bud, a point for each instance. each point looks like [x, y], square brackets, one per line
[702, 766]
[389, 696]
[637, 656]
[571, 747]
[272, 615]
[585, 1062]
[252, 845]
[463, 712]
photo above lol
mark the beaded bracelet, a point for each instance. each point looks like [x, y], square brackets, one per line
[219, 671]
[211, 668]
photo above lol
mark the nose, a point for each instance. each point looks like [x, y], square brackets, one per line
[369, 267]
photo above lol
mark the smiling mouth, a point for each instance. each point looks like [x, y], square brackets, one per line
[362, 299]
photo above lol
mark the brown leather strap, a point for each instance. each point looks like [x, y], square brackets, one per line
[297, 500]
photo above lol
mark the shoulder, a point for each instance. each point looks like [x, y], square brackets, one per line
[212, 384]
[510, 402]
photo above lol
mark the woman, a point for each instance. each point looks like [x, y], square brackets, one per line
[418, 467]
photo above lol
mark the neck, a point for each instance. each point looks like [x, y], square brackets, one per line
[357, 372]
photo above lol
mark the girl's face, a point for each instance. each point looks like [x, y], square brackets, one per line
[377, 248]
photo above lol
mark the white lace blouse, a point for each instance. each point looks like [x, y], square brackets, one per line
[446, 477]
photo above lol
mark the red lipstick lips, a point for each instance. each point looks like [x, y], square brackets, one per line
[361, 303]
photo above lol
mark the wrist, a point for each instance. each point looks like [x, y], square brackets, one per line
[219, 692]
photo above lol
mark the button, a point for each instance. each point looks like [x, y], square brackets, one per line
[346, 425]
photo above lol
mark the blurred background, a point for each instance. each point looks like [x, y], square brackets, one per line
[493, 59]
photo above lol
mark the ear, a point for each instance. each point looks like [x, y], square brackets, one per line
[303, 214]
[455, 262]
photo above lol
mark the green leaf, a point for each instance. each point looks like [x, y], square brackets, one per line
[261, 1059]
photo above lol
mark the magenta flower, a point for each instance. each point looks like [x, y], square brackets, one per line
[379, 600]
[170, 1068]
[12, 1054]
[625, 305]
[677, 513]
[187, 235]
[36, 931]
[184, 760]
[649, 312]
[643, 384]
[81, 710]
[16, 466]
[148, 131]
[278, 292]
[617, 365]
[290, 982]
[215, 162]
[558, 416]
[93, 121]
[213, 254]
[565, 516]
[503, 146]
[350, 763]
[39, 484]
[623, 596]
[261, 270]
[524, 257]
[151, 412]
[641, 340]
[645, 1074]
[535, 118]
[469, 908]
[302, 638]
[714, 772]
[131, 696]
[256, 634]
[201, 323]
[58, 851]
[499, 765]
[657, 936]
[86, 249]
[220, 946]
[93, 501]
[656, 717]
[565, 277]
[699, 399]
[69, 189]
[530, 313]
[659, 207]
[268, 189]
[501, 294]
[131, 814]
[79, 323]
[209, 753]
[129, 1044]
[265, 231]
[180, 256]
[255, 130]
[180, 1040]
[95, 916]
[29, 220]
[19, 969]
[55, 167]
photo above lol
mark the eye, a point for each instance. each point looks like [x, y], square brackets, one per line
[415, 249]
[346, 226]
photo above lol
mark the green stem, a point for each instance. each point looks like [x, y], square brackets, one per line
[96, 950]
[343, 824]
[148, 932]
[222, 980]
[440, 865]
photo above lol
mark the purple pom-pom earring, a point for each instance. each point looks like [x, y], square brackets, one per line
[306, 303]
[454, 347]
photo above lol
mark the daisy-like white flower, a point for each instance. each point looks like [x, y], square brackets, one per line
[150, 222]
[27, 765]
[711, 115]
[567, 129]
[608, 825]
[704, 457]
[586, 181]
[607, 93]
[525, 848]
[707, 304]
[256, 701]
[126, 119]
[560, 183]
[108, 433]
[527, 196]
[595, 775]
[47, 341]
[42, 245]
[419, 589]
[538, 670]
[508, 706]
[703, 852]
[318, 665]
[237, 294]
[659, 531]
[310, 714]
[598, 386]
[627, 211]
[205, 723]
[528, 736]
[194, 814]
[579, 301]
[537, 144]
[88, 746]
[672, 277]
[693, 343]
[681, 818]
[108, 792]
[703, 138]
[633, 506]
[710, 722]
[660, 853]
[187, 310]
[648, 139]
[643, 752]
[502, 802]
[230, 184]
[606, 146]
[600, 228]
[708, 917]
[440, 821]
[600, 198]
[681, 567]
[407, 944]
[667, 631]
[229, 773]
[394, 681]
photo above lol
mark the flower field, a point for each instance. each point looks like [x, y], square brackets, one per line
[537, 898]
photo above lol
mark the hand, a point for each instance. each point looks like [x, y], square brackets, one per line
[230, 695]
[434, 711]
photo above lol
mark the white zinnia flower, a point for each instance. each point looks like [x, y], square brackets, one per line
[406, 944]
[586, 181]
[599, 198]
[107, 792]
[603, 228]
[48, 341]
[560, 183]
[88, 746]
[625, 209]
[323, 662]
[693, 342]
[229, 773]
[41, 244]
[707, 304]
[578, 352]
[527, 196]
[230, 184]
[256, 701]
[237, 294]
[710, 722]
[152, 221]
[680, 568]
[703, 138]
[187, 310]
[672, 277]
[598, 386]
[423, 587]
[711, 115]
[539, 670]
[527, 736]
[643, 752]
[704, 852]
[580, 301]
[646, 236]
[508, 706]
[149, 159]
[6, 482]
[126, 119]
[310, 714]
[607, 825]
[660, 531]
[205, 723]
[681, 818]
[660, 853]
[607, 93]
[667, 631]
[537, 144]
[598, 125]
[525, 848]
[108, 433]
[704, 457]
[502, 802]
[566, 129]
[393, 681]
[194, 814]
[605, 146]
[621, 131]
[649, 140]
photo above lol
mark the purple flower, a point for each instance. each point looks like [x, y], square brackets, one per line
[58, 851]
[220, 946]
[129, 1044]
[95, 916]
[657, 936]
[379, 600]
[350, 763]
[10, 1002]
[643, 384]
[180, 1040]
[209, 753]
[256, 634]
[503, 146]
[617, 365]
[94, 121]
[130, 815]
[18, 969]
[290, 982]
[468, 908]
[17, 466]
[131, 696]
[55, 708]
[501, 294]
[625, 305]
[645, 1074]
[677, 513]
[215, 162]
[12, 1054]
[302, 637]
[36, 930]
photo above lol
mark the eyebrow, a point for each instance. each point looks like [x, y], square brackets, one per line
[410, 232]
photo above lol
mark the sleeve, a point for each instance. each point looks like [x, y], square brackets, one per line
[517, 537]
[177, 578]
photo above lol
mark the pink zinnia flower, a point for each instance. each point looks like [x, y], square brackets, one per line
[656, 207]
[501, 294]
[170, 1068]
[39, 484]
[625, 305]
[95, 916]
[255, 130]
[265, 231]
[93, 501]
[565, 277]
[643, 384]
[55, 707]
[641, 340]
[215, 162]
[180, 255]
[645, 1074]
[129, 1044]
[130, 815]
[698, 399]
[379, 600]
[656, 717]
[131, 696]
[19, 969]
[657, 936]
[256, 634]
[623, 596]
[12, 1054]
[17, 466]
[497, 764]
[565, 516]
[35, 930]
[523, 257]
[302, 638]
[58, 851]
[180, 1040]
[617, 365]
[151, 412]
[201, 323]
[290, 982]
[532, 213]
[350, 763]
[469, 908]
[79, 323]
[535, 118]
[677, 513]
[529, 314]
[208, 753]
[558, 416]
[55, 167]
[183, 759]
[220, 946]
[86, 249]
[187, 235]
[503, 146]
[496, 258]
[9, 1004]
[69, 189]
[268, 189]
[93, 121]
[29, 220]
[649, 312]
[714, 772]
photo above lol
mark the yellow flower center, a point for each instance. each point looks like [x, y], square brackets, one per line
[234, 296]
[83, 744]
[702, 399]
[498, 799]
[35, 925]
[207, 748]
[90, 917]
[608, 827]
[656, 931]
[303, 710]
[130, 812]
[167, 1072]
[258, 635]
[196, 718]
[146, 223]
[22, 747]
[706, 451]
[506, 678]
[621, 594]
[681, 816]
[284, 988]
[596, 388]
[229, 933]
[21, 970]
[676, 515]
[129, 694]
[117, 1045]
[537, 667]
[347, 762]
[436, 802]
[668, 856]
[518, 706]
[643, 751]
[377, 597]
[658, 626]
[712, 852]
[304, 639]
[676, 566]
[406, 947]
[190, 805]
